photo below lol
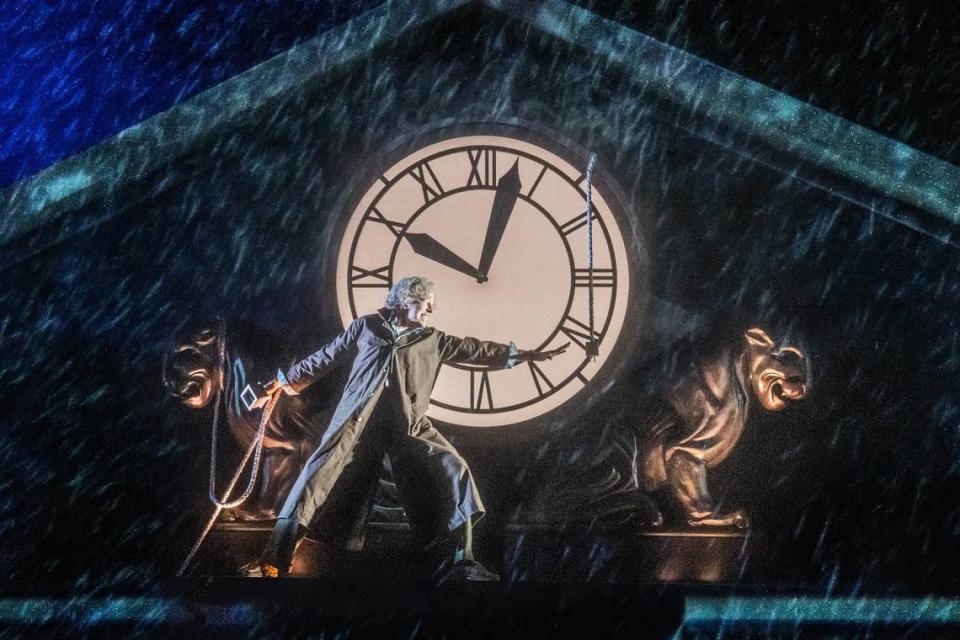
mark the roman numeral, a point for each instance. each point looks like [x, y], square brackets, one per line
[487, 176]
[480, 390]
[576, 222]
[601, 277]
[540, 379]
[578, 332]
[370, 278]
[536, 182]
[432, 189]
[374, 215]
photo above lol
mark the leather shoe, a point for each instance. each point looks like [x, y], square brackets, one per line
[259, 569]
[469, 571]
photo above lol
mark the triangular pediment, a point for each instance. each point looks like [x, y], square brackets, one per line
[710, 101]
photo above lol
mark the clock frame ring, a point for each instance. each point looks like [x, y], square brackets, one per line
[633, 282]
[399, 239]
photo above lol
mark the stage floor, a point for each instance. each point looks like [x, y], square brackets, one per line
[387, 608]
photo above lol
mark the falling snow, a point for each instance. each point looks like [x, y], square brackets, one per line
[234, 212]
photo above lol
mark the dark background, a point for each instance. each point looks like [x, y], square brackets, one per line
[103, 476]
[75, 73]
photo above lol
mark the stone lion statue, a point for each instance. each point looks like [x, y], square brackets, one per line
[245, 356]
[687, 420]
[701, 416]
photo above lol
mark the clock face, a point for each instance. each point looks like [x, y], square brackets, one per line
[432, 214]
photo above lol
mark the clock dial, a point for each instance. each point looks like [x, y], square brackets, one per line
[499, 224]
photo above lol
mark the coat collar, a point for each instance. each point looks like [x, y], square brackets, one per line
[386, 315]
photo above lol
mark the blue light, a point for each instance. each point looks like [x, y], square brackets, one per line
[815, 610]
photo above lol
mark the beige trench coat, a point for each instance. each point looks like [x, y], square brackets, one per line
[436, 487]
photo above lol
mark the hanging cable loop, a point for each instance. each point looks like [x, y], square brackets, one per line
[593, 345]
[255, 450]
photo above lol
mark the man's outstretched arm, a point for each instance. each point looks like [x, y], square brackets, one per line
[540, 356]
[491, 354]
[302, 374]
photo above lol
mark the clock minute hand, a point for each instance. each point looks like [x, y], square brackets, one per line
[426, 246]
[508, 190]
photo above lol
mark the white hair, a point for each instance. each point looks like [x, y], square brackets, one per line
[409, 289]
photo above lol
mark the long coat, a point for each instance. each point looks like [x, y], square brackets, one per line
[434, 482]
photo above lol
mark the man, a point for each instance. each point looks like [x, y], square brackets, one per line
[383, 409]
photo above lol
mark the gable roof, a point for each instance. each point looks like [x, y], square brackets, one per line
[710, 93]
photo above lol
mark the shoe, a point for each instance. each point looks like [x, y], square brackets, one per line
[259, 569]
[284, 541]
[469, 571]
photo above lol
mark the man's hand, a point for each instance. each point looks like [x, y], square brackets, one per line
[273, 387]
[539, 356]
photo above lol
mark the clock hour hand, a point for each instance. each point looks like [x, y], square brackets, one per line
[508, 190]
[423, 244]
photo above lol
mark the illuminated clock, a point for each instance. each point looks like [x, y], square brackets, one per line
[498, 223]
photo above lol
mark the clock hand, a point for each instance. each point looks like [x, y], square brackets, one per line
[508, 190]
[424, 245]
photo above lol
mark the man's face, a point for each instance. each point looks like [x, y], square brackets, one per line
[417, 313]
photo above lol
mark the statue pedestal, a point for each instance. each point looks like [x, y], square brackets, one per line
[230, 545]
[544, 553]
[532, 552]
